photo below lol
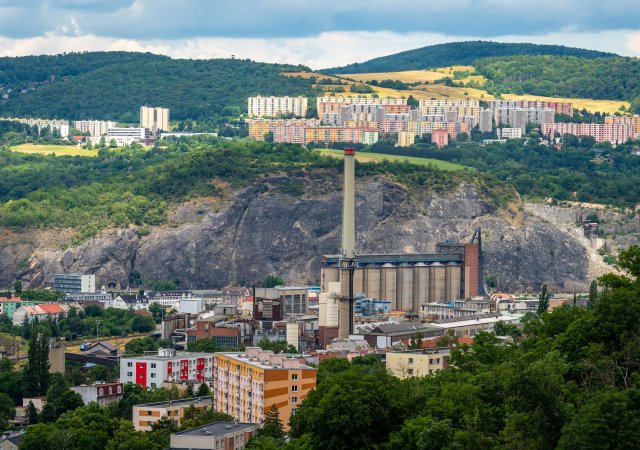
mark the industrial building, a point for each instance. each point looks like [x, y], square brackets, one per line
[453, 272]
[411, 280]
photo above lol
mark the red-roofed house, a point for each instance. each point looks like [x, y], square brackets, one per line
[41, 311]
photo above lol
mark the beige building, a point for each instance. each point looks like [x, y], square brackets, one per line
[247, 386]
[277, 106]
[146, 414]
[154, 118]
[405, 138]
[94, 127]
[417, 363]
[218, 435]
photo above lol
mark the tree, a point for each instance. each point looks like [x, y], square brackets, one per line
[276, 346]
[415, 342]
[36, 372]
[165, 285]
[138, 346]
[204, 345]
[272, 281]
[272, 426]
[32, 413]
[7, 409]
[543, 299]
[17, 286]
[203, 390]
[142, 324]
[593, 294]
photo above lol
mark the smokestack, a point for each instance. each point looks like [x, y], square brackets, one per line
[349, 206]
[348, 263]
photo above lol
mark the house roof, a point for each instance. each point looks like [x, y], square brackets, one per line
[51, 308]
[108, 345]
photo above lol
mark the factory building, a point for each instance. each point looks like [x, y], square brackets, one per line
[411, 280]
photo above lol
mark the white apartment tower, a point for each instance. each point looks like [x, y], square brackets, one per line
[154, 118]
[277, 106]
[94, 127]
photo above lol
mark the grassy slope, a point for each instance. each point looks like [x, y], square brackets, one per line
[58, 150]
[377, 157]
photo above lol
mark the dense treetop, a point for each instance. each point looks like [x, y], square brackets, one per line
[113, 86]
[458, 53]
[563, 76]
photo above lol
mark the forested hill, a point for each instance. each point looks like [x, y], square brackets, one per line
[113, 85]
[459, 53]
[563, 76]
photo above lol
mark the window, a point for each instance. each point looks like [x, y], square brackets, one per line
[101, 392]
[294, 376]
[148, 423]
[129, 364]
[153, 365]
[119, 389]
[294, 399]
[153, 385]
[293, 411]
[410, 360]
[153, 375]
[410, 372]
[148, 413]
[294, 388]
[129, 374]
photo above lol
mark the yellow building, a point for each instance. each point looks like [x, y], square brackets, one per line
[248, 385]
[405, 138]
[417, 363]
[147, 414]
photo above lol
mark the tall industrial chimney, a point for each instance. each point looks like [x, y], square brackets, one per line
[349, 206]
[347, 260]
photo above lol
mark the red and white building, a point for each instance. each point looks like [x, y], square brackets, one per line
[150, 371]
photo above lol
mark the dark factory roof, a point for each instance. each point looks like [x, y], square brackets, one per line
[398, 258]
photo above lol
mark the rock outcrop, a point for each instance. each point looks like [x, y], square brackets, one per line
[262, 230]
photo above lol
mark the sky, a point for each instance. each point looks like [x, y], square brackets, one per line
[318, 34]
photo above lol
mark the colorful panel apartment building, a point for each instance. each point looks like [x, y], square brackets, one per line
[150, 371]
[146, 414]
[247, 385]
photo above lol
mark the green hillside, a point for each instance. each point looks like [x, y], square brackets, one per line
[458, 53]
[113, 86]
[562, 76]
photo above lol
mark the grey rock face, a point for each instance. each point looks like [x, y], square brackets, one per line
[263, 231]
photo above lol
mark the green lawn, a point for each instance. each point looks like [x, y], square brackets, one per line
[58, 150]
[377, 157]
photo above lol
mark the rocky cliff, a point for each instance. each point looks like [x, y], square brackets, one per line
[262, 230]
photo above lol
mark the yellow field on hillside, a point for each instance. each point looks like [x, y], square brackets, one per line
[407, 76]
[452, 69]
[58, 150]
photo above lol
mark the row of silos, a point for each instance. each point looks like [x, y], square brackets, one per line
[406, 286]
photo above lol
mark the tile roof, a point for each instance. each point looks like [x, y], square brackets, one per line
[51, 308]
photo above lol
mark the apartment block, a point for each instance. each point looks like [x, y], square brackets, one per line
[520, 117]
[150, 371]
[633, 121]
[486, 121]
[557, 106]
[339, 134]
[277, 106]
[248, 385]
[440, 138]
[416, 363]
[154, 118]
[146, 414]
[282, 129]
[405, 139]
[218, 435]
[101, 393]
[509, 133]
[332, 104]
[94, 127]
[614, 133]
[61, 126]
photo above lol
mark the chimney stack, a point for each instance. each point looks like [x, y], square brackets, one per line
[349, 206]
[347, 264]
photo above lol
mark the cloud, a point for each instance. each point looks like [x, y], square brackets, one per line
[327, 49]
[191, 19]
